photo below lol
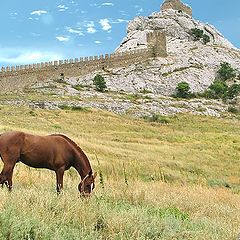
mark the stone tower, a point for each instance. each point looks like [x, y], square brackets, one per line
[176, 5]
[156, 41]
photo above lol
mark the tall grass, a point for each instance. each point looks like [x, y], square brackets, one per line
[178, 181]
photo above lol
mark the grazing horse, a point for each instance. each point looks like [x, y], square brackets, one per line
[55, 152]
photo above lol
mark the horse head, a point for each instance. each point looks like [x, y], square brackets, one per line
[87, 184]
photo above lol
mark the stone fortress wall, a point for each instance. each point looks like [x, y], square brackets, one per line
[176, 5]
[14, 78]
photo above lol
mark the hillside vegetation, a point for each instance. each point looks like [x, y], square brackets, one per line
[178, 180]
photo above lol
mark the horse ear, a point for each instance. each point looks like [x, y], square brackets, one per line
[95, 175]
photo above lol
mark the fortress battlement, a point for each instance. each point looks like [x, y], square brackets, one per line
[14, 77]
[78, 61]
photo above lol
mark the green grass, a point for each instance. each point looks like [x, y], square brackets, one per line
[179, 181]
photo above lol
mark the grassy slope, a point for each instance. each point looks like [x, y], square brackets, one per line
[183, 179]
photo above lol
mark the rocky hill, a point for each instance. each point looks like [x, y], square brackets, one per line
[144, 87]
[187, 60]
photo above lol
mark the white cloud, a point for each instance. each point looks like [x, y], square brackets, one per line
[120, 20]
[91, 30]
[107, 4]
[23, 56]
[91, 27]
[75, 31]
[62, 39]
[38, 12]
[98, 42]
[105, 24]
[62, 8]
[123, 13]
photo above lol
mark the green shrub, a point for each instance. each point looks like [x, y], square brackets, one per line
[226, 72]
[99, 83]
[233, 91]
[157, 118]
[73, 108]
[205, 38]
[182, 90]
[218, 89]
[232, 109]
[196, 33]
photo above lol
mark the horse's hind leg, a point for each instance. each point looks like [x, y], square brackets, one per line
[59, 175]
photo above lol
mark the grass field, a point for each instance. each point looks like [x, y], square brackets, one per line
[179, 180]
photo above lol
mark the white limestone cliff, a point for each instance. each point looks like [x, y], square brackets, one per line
[188, 60]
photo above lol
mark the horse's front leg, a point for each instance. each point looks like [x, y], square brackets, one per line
[59, 176]
[3, 178]
[9, 181]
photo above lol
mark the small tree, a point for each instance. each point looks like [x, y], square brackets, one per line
[196, 33]
[182, 90]
[226, 71]
[218, 89]
[99, 83]
[205, 38]
[233, 91]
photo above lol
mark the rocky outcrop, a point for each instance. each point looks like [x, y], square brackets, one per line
[176, 5]
[187, 60]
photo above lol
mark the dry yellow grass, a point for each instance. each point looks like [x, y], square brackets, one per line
[183, 179]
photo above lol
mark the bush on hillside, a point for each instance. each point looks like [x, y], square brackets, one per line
[226, 71]
[157, 118]
[183, 90]
[233, 110]
[99, 83]
[233, 91]
[205, 38]
[196, 33]
[217, 89]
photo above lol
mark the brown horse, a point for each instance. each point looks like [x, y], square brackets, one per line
[55, 152]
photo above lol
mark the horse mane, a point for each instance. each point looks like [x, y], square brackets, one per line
[74, 144]
[69, 140]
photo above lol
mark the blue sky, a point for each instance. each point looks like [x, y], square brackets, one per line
[45, 30]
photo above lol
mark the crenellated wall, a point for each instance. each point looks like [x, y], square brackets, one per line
[13, 78]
